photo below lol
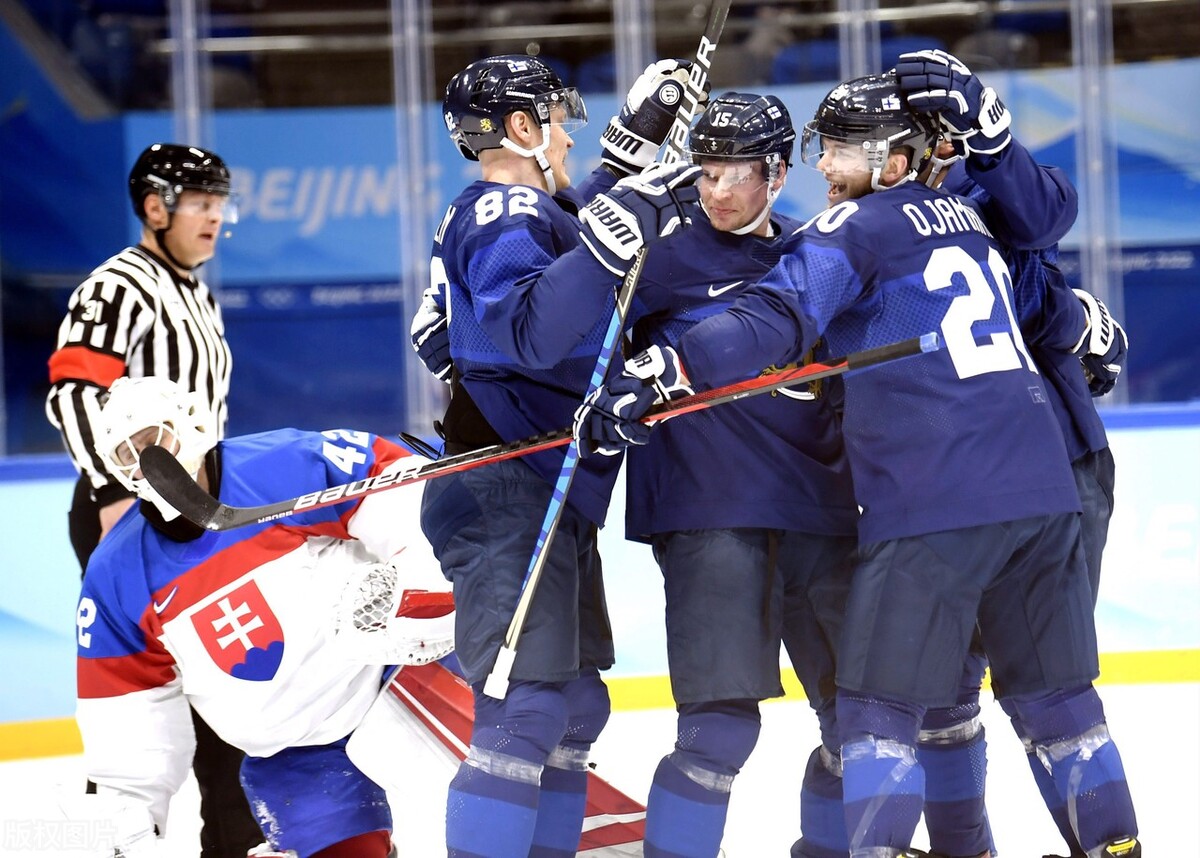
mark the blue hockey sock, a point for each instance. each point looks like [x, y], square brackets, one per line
[1054, 804]
[883, 786]
[689, 796]
[561, 805]
[688, 816]
[1067, 732]
[492, 804]
[822, 819]
[955, 762]
[563, 798]
[489, 813]
[1091, 783]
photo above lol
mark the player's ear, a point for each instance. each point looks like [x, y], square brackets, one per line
[155, 210]
[896, 167]
[521, 128]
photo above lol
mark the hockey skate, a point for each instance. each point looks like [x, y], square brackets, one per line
[1122, 847]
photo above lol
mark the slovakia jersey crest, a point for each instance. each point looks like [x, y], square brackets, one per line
[241, 634]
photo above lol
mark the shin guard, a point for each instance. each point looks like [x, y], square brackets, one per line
[492, 804]
[953, 752]
[883, 785]
[1067, 732]
[689, 796]
[822, 819]
[562, 801]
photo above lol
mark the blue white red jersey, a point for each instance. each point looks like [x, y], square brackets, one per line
[1040, 288]
[950, 439]
[237, 623]
[768, 461]
[526, 324]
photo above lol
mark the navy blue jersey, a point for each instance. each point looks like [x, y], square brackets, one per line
[769, 461]
[1037, 204]
[1041, 291]
[525, 332]
[955, 438]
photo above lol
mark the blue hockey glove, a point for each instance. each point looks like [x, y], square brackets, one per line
[608, 421]
[431, 333]
[639, 210]
[633, 136]
[1103, 347]
[974, 117]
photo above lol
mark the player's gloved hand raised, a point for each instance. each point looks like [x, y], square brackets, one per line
[431, 333]
[936, 82]
[633, 136]
[639, 210]
[1103, 347]
[608, 421]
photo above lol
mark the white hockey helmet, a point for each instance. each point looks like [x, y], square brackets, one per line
[139, 412]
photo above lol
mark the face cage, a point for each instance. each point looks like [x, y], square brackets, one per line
[124, 456]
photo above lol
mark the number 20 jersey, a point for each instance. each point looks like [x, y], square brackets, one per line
[956, 438]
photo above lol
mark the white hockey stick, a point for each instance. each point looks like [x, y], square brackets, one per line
[496, 684]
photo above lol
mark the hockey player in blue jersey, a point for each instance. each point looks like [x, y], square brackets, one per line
[994, 170]
[749, 508]
[529, 292]
[260, 629]
[969, 507]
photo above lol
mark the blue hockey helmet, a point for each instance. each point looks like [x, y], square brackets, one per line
[742, 125]
[480, 96]
[871, 114]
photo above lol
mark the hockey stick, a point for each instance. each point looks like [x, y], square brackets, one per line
[176, 486]
[496, 684]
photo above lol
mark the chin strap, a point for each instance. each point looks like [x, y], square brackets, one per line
[538, 153]
[160, 235]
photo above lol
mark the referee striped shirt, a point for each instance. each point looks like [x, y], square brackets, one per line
[133, 316]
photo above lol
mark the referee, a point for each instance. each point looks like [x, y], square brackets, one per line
[144, 312]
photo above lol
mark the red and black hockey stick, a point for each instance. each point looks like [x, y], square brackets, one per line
[177, 488]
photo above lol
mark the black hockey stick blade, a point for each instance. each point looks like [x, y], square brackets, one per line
[175, 485]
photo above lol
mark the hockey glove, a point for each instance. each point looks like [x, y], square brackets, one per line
[633, 136]
[609, 420]
[639, 210]
[972, 115]
[431, 333]
[1103, 347]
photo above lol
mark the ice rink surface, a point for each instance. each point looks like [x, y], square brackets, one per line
[1157, 728]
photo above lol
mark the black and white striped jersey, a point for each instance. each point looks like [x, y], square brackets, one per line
[133, 316]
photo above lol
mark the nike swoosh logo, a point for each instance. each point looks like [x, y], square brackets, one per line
[158, 609]
[713, 291]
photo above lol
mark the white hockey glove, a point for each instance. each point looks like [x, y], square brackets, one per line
[431, 333]
[972, 115]
[633, 136]
[608, 421]
[1102, 349]
[639, 210]
[378, 621]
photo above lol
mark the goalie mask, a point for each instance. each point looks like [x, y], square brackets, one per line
[479, 97]
[861, 121]
[139, 412]
[746, 128]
